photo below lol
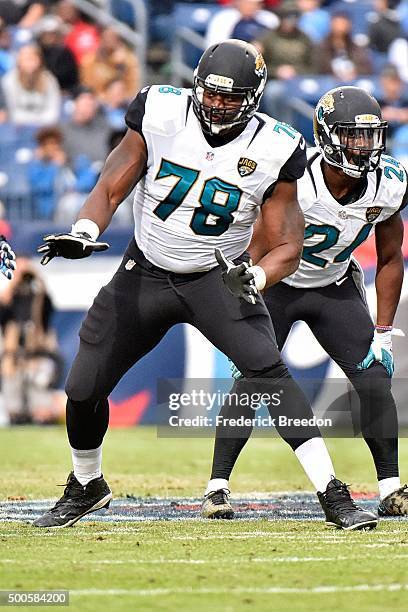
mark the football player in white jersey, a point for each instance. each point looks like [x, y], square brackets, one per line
[350, 190]
[204, 162]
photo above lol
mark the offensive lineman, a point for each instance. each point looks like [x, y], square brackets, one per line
[349, 191]
[203, 163]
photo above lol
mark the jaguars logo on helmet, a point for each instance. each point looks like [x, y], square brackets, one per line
[349, 130]
[231, 67]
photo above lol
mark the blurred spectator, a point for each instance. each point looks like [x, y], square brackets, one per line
[3, 107]
[269, 4]
[112, 60]
[32, 93]
[313, 21]
[31, 363]
[161, 23]
[87, 131]
[245, 20]
[57, 57]
[339, 55]
[5, 227]
[82, 37]
[393, 99]
[115, 104]
[6, 54]
[398, 56]
[287, 50]
[385, 25]
[24, 13]
[51, 175]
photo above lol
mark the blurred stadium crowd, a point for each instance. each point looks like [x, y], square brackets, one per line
[69, 68]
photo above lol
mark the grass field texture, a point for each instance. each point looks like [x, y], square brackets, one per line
[163, 565]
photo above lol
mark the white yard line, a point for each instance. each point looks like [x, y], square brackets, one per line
[240, 591]
[191, 561]
[204, 561]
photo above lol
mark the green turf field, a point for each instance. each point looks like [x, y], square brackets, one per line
[197, 565]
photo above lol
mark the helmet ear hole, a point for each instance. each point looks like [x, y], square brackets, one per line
[232, 68]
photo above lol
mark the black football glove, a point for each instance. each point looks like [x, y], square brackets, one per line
[238, 280]
[70, 246]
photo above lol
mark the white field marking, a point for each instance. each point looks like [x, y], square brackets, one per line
[120, 518]
[248, 496]
[243, 590]
[205, 561]
[383, 544]
[232, 561]
[233, 536]
[194, 561]
[337, 537]
[211, 561]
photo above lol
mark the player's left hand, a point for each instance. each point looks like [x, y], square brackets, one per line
[380, 351]
[70, 246]
[238, 279]
[7, 259]
[235, 372]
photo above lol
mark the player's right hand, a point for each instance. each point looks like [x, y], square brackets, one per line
[7, 259]
[239, 281]
[70, 246]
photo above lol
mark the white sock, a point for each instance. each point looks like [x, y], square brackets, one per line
[315, 460]
[87, 464]
[215, 484]
[388, 485]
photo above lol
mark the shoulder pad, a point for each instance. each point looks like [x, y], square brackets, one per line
[166, 109]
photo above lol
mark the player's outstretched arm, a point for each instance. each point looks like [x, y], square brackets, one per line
[122, 170]
[278, 237]
[390, 267]
[388, 283]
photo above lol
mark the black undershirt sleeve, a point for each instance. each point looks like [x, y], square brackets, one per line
[292, 170]
[135, 113]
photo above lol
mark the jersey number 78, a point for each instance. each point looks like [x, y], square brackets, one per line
[212, 218]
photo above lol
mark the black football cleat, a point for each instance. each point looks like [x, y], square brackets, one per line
[341, 510]
[395, 504]
[217, 506]
[77, 501]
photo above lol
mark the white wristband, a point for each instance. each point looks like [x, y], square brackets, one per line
[87, 226]
[259, 276]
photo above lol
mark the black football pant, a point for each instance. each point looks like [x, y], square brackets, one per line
[131, 315]
[339, 319]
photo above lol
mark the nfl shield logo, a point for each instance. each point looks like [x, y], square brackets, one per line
[372, 213]
[209, 156]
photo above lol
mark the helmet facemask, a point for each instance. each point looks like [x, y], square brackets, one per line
[215, 120]
[356, 147]
[349, 131]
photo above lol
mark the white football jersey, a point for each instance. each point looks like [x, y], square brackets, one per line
[195, 197]
[332, 230]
